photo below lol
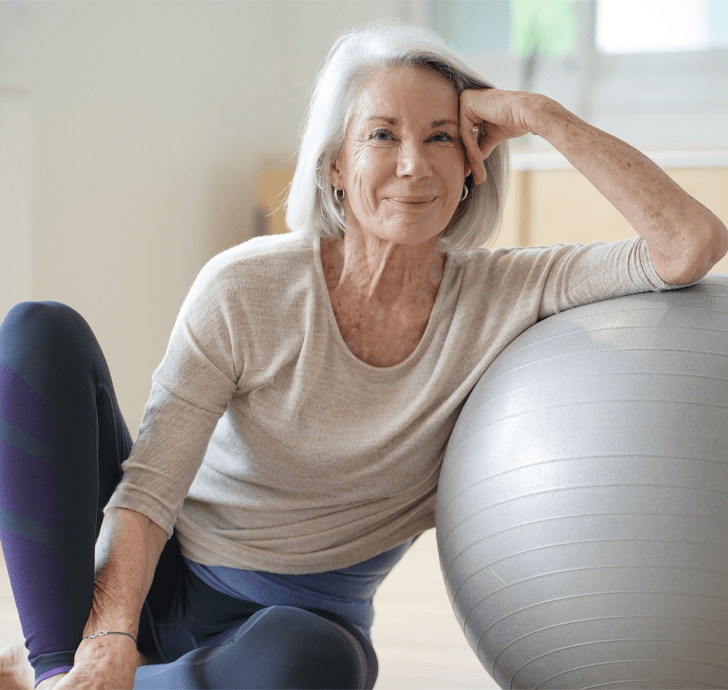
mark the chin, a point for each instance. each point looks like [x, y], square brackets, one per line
[407, 231]
[411, 236]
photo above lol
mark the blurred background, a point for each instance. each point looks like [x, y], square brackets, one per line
[139, 138]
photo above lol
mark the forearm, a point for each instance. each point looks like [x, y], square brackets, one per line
[127, 552]
[684, 238]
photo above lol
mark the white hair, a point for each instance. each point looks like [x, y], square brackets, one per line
[354, 57]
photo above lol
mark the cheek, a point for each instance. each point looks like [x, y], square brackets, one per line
[360, 164]
[453, 175]
[368, 169]
[359, 157]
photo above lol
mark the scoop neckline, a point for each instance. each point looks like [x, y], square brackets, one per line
[334, 326]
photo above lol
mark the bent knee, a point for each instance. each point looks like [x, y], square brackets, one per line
[308, 651]
[42, 330]
[40, 316]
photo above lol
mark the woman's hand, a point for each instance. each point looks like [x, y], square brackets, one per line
[103, 662]
[499, 115]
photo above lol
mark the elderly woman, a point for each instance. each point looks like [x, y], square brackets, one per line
[290, 449]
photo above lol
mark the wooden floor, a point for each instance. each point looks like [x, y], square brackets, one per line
[418, 641]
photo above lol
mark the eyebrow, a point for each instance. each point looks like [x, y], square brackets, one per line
[395, 121]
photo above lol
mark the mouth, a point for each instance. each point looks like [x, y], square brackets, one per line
[413, 201]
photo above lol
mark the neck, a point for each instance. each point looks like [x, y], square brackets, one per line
[380, 272]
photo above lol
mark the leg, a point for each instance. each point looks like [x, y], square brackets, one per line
[277, 647]
[199, 638]
[62, 441]
[15, 671]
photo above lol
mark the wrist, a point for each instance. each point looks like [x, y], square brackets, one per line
[104, 633]
[549, 119]
[103, 648]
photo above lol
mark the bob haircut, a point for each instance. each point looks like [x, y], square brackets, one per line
[311, 205]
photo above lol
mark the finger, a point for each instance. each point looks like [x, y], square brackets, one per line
[487, 147]
[471, 134]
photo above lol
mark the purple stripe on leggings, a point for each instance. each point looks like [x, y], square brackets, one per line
[39, 502]
[21, 406]
[52, 672]
[38, 593]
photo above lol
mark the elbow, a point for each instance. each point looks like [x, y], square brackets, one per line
[713, 247]
[700, 250]
[720, 242]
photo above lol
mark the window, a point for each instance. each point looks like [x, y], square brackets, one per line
[653, 72]
[660, 26]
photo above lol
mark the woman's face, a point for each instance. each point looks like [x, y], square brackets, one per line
[402, 165]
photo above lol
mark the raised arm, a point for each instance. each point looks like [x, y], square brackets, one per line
[127, 552]
[684, 238]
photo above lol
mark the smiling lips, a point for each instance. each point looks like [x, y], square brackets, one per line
[413, 201]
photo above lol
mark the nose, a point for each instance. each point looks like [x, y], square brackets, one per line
[413, 161]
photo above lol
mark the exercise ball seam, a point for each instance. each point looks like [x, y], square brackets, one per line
[636, 456]
[584, 377]
[602, 619]
[571, 543]
[568, 516]
[511, 351]
[607, 307]
[572, 488]
[573, 458]
[576, 570]
[583, 596]
[495, 376]
[614, 401]
[611, 663]
[633, 686]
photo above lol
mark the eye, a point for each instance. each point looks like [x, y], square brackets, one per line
[381, 135]
[442, 136]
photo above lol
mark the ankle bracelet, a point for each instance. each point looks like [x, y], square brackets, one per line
[101, 633]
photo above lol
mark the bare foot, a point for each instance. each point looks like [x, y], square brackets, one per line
[15, 670]
[16, 673]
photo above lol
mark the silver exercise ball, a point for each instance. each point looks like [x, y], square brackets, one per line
[582, 514]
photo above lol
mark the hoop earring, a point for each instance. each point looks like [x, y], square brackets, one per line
[340, 195]
[466, 191]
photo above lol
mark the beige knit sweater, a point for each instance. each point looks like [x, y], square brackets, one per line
[269, 446]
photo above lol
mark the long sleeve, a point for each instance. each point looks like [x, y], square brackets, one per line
[596, 272]
[191, 390]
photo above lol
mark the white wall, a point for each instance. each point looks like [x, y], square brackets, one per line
[16, 189]
[148, 122]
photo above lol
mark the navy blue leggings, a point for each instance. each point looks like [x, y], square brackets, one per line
[62, 442]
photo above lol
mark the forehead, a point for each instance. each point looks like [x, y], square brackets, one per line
[401, 91]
